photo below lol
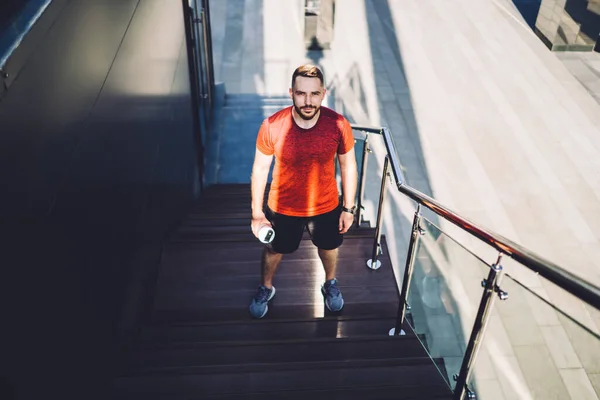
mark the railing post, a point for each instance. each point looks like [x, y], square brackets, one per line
[207, 34]
[491, 286]
[195, 93]
[416, 232]
[373, 263]
[361, 182]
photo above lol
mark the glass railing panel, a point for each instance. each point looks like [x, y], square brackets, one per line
[542, 342]
[359, 153]
[444, 295]
[359, 144]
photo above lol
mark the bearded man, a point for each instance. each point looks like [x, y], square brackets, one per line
[303, 140]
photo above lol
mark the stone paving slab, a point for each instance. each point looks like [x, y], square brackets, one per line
[585, 67]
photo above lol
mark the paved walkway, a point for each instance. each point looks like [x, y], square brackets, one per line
[490, 123]
[585, 66]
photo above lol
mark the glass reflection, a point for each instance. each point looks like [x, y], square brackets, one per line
[572, 25]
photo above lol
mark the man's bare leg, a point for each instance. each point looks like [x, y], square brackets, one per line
[270, 262]
[329, 260]
[333, 297]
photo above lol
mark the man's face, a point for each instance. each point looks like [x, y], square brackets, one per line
[307, 95]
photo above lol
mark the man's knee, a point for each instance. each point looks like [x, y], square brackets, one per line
[329, 244]
[328, 251]
[271, 252]
[283, 248]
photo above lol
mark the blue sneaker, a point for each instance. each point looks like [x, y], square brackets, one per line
[333, 297]
[259, 305]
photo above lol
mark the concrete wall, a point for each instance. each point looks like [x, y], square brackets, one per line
[97, 164]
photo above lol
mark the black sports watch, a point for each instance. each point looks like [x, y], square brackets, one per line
[350, 210]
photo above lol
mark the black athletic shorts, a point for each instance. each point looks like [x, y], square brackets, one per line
[323, 230]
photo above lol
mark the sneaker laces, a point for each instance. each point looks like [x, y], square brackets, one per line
[262, 295]
[332, 289]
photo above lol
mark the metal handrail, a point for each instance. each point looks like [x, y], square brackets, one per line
[194, 79]
[209, 53]
[549, 270]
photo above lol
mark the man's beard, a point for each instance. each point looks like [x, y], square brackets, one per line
[306, 117]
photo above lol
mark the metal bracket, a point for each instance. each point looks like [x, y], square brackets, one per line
[502, 295]
[379, 250]
[470, 394]
[3, 73]
[375, 266]
[377, 263]
[392, 332]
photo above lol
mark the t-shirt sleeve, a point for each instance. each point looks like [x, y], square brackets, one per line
[347, 139]
[264, 141]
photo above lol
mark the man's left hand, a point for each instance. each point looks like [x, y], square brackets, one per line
[346, 221]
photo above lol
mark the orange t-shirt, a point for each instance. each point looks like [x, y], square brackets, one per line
[304, 182]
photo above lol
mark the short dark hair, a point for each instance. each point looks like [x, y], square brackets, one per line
[309, 71]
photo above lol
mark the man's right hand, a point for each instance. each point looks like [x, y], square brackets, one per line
[256, 223]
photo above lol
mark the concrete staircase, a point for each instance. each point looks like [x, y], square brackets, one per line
[201, 343]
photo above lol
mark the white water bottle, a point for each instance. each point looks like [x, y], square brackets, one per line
[266, 234]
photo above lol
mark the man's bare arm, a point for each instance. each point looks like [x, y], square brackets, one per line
[349, 174]
[260, 174]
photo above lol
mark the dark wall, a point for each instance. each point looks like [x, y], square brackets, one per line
[9, 10]
[16, 16]
[529, 9]
[590, 22]
[97, 166]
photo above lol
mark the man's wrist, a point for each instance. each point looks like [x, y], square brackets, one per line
[258, 214]
[350, 210]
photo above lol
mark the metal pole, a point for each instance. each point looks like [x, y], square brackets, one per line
[478, 331]
[373, 263]
[208, 55]
[195, 95]
[361, 183]
[211, 69]
[410, 262]
[200, 61]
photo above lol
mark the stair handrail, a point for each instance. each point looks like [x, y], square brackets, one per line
[573, 284]
[570, 282]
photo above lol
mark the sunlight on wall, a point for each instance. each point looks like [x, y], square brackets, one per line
[283, 44]
[155, 61]
[345, 68]
[316, 270]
